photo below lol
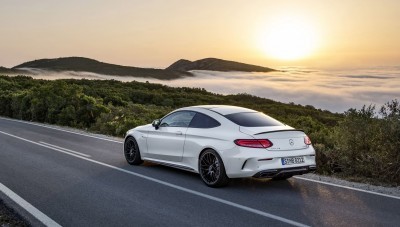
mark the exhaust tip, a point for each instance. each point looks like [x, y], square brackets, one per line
[312, 168]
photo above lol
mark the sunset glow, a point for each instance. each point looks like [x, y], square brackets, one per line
[289, 39]
[338, 34]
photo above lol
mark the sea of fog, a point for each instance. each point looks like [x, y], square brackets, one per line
[334, 90]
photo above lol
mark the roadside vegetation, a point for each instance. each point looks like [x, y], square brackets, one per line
[362, 145]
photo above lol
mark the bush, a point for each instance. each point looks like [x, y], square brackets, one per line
[360, 143]
[367, 144]
[119, 120]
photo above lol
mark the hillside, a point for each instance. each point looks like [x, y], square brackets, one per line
[91, 65]
[216, 64]
[4, 70]
[177, 70]
[112, 107]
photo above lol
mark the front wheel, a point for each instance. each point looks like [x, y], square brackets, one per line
[212, 169]
[132, 152]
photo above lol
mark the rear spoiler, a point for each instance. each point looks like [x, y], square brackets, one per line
[284, 130]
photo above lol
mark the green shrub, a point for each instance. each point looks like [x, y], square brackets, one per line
[359, 143]
[367, 144]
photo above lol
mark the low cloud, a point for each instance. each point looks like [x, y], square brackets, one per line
[368, 77]
[332, 90]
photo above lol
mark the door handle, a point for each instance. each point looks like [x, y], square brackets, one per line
[179, 133]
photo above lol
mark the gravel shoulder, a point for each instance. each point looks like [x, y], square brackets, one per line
[8, 217]
[393, 191]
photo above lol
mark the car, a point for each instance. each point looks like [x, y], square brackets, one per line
[221, 142]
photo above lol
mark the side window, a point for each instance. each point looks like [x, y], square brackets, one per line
[203, 121]
[177, 119]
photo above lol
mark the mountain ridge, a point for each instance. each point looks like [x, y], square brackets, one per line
[83, 64]
[178, 69]
[216, 64]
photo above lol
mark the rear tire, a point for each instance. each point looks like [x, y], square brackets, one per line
[132, 152]
[212, 169]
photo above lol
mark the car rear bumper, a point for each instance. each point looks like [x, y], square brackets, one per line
[270, 173]
[253, 162]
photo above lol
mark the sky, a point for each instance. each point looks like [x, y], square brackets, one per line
[155, 33]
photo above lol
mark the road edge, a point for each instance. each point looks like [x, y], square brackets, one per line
[329, 180]
[29, 213]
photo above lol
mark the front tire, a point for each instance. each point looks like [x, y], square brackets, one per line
[212, 169]
[132, 152]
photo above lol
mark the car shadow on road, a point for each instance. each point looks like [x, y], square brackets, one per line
[238, 183]
[307, 202]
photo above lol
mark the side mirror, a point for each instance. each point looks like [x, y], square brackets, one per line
[156, 123]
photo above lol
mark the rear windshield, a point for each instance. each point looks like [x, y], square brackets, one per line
[253, 119]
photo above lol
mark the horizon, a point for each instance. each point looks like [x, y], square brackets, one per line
[312, 34]
[277, 67]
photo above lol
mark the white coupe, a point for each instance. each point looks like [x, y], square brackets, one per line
[222, 142]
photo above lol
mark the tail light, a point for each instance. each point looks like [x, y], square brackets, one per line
[307, 140]
[254, 143]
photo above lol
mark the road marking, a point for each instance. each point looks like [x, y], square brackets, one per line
[347, 187]
[223, 201]
[63, 130]
[65, 149]
[300, 178]
[28, 207]
[46, 146]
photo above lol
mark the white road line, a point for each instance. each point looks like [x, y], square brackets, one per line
[28, 207]
[43, 145]
[347, 187]
[300, 178]
[223, 201]
[65, 149]
[63, 130]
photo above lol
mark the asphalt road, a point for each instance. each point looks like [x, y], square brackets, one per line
[78, 180]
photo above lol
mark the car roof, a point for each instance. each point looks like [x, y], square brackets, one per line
[224, 109]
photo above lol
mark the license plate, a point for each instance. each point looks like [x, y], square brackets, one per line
[292, 160]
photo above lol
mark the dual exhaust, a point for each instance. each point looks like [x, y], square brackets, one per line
[270, 173]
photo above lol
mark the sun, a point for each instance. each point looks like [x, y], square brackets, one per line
[289, 39]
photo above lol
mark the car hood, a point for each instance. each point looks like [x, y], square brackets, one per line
[143, 127]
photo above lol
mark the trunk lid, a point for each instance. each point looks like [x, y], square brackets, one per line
[283, 138]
